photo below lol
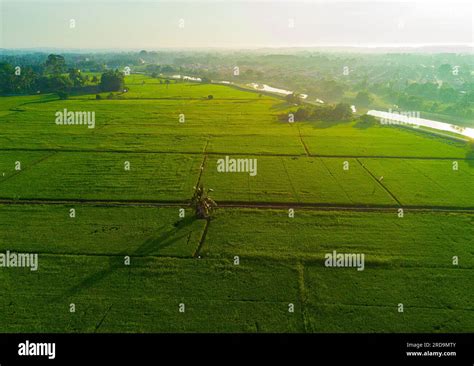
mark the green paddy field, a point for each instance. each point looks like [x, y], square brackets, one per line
[281, 283]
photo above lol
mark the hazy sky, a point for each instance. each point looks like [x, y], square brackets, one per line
[233, 24]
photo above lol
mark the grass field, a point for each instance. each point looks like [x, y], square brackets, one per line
[297, 179]
[174, 260]
[432, 182]
[281, 263]
[103, 175]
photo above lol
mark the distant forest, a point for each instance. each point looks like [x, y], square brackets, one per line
[433, 83]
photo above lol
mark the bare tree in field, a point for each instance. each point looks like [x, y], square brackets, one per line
[202, 203]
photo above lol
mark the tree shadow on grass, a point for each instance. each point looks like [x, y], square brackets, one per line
[155, 244]
[116, 262]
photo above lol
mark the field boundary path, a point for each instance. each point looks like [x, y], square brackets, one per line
[238, 204]
[303, 143]
[201, 167]
[379, 182]
[102, 319]
[303, 296]
[203, 239]
[118, 151]
[35, 162]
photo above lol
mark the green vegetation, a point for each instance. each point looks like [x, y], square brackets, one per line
[440, 86]
[298, 179]
[330, 113]
[281, 262]
[111, 81]
[240, 270]
[103, 176]
[421, 182]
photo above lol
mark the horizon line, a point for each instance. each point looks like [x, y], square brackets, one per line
[248, 47]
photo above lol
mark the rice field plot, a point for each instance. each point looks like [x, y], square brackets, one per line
[419, 238]
[182, 90]
[295, 179]
[104, 176]
[226, 125]
[147, 296]
[35, 128]
[366, 319]
[154, 125]
[11, 105]
[347, 139]
[99, 230]
[16, 162]
[280, 263]
[426, 182]
[272, 143]
[347, 300]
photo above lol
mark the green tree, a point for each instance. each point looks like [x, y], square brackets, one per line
[363, 98]
[330, 89]
[7, 78]
[168, 69]
[112, 80]
[55, 64]
[341, 112]
[293, 98]
[447, 94]
[445, 70]
[302, 114]
[53, 83]
[11, 82]
[75, 76]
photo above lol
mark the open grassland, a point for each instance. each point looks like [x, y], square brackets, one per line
[176, 260]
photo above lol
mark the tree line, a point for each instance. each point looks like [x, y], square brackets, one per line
[55, 77]
[323, 112]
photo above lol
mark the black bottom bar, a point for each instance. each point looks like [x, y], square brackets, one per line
[136, 349]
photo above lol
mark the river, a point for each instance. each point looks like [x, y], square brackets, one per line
[415, 121]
